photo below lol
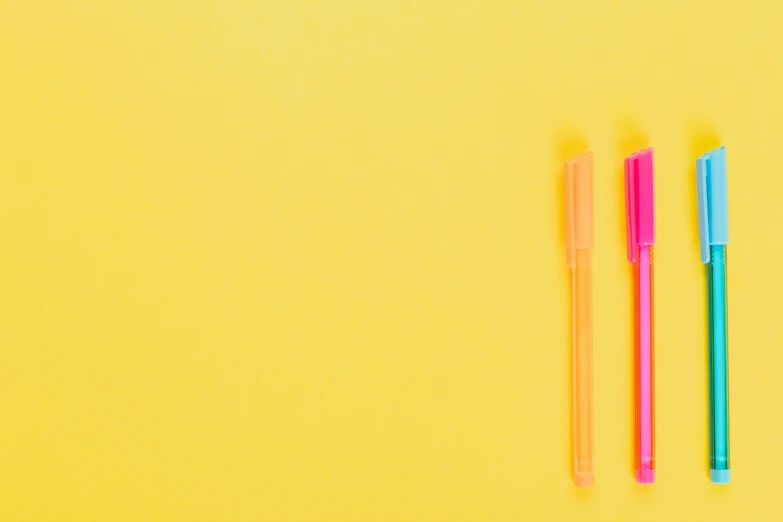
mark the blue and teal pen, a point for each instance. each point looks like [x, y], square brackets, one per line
[713, 237]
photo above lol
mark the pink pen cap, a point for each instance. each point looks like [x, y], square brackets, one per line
[640, 221]
[639, 202]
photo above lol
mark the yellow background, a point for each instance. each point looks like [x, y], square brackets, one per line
[303, 260]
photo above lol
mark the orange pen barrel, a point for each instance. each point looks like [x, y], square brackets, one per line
[578, 183]
[582, 299]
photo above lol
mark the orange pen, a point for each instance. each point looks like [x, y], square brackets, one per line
[578, 182]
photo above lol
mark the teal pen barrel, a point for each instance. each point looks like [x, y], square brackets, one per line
[718, 366]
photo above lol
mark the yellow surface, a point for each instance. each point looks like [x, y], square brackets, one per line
[303, 260]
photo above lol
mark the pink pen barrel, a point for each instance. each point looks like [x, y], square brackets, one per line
[640, 221]
[645, 377]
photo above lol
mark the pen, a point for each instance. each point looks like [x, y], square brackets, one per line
[640, 226]
[578, 183]
[711, 191]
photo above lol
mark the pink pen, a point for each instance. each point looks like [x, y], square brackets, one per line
[640, 219]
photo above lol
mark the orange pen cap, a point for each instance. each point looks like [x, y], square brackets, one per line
[578, 181]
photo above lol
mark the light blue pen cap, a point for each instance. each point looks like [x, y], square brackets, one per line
[712, 193]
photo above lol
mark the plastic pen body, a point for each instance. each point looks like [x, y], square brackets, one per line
[712, 198]
[582, 331]
[640, 221]
[578, 192]
[718, 365]
[644, 461]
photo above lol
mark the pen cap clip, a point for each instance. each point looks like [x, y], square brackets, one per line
[639, 201]
[712, 195]
[578, 185]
